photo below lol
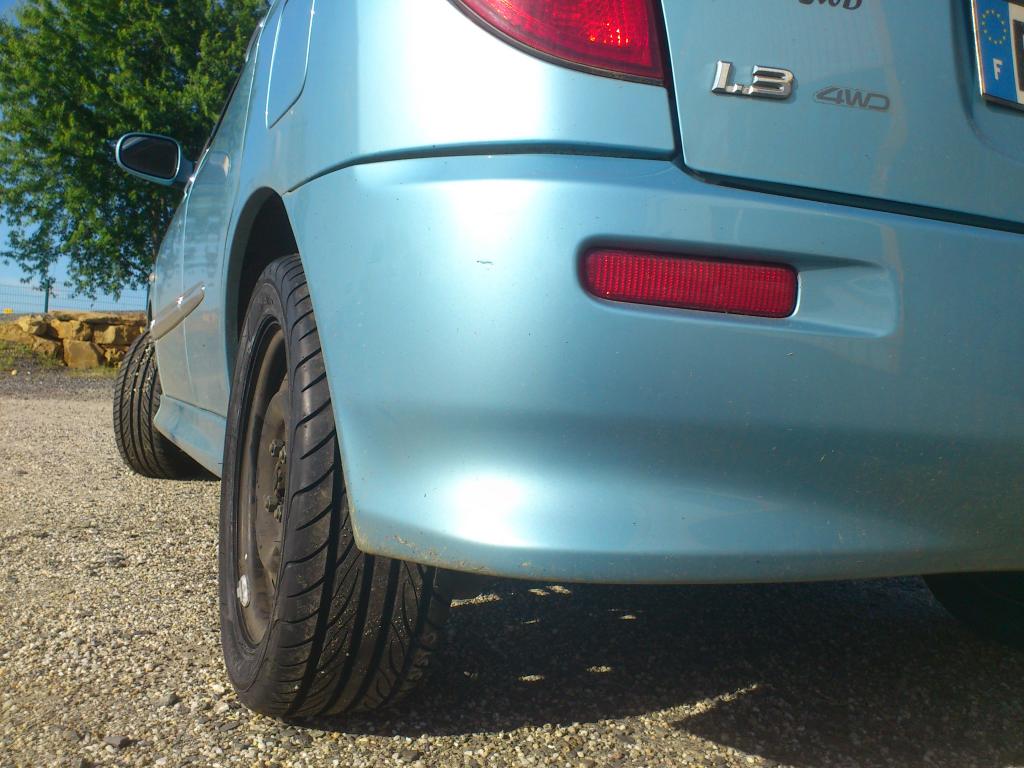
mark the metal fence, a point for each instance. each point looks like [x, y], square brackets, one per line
[22, 300]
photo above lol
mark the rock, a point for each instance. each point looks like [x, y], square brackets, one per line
[47, 348]
[71, 329]
[101, 318]
[168, 700]
[114, 356]
[14, 332]
[409, 755]
[49, 334]
[98, 318]
[221, 708]
[117, 741]
[112, 335]
[34, 325]
[82, 354]
[116, 560]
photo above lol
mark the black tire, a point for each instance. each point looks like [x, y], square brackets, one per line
[310, 626]
[137, 394]
[992, 604]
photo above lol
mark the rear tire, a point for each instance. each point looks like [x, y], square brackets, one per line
[310, 625]
[992, 604]
[137, 394]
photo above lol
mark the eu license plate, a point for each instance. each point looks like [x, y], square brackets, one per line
[999, 32]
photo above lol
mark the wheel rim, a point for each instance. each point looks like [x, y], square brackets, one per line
[264, 480]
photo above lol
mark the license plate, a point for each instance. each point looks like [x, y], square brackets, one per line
[999, 33]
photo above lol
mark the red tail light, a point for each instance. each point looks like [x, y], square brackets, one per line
[620, 37]
[765, 290]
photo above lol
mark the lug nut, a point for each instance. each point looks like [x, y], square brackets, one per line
[242, 591]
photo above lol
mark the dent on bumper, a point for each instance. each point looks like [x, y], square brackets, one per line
[495, 418]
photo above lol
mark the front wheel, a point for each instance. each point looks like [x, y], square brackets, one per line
[137, 395]
[992, 604]
[310, 625]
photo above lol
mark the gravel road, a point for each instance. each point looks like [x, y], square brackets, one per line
[109, 650]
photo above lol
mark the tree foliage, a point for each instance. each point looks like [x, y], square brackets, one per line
[75, 75]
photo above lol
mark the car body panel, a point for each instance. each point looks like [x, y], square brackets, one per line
[455, 112]
[391, 77]
[442, 187]
[210, 208]
[291, 53]
[495, 418]
[166, 287]
[916, 56]
[196, 430]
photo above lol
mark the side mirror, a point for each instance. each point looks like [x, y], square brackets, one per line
[153, 158]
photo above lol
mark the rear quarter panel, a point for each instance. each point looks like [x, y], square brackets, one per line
[385, 79]
[388, 79]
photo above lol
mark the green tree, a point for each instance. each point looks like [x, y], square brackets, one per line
[75, 75]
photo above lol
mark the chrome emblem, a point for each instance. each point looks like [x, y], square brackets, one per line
[768, 83]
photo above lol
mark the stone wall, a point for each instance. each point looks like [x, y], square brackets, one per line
[77, 339]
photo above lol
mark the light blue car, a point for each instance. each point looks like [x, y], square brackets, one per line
[645, 291]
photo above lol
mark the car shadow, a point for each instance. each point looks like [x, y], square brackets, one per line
[851, 673]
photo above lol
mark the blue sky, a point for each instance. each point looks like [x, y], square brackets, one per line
[8, 273]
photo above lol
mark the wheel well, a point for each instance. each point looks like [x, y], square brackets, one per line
[264, 235]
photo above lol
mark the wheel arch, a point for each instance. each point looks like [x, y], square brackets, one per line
[262, 235]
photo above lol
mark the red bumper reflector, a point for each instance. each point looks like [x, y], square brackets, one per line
[740, 288]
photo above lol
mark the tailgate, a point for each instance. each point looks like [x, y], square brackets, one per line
[886, 101]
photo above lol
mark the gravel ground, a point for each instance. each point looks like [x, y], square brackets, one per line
[109, 652]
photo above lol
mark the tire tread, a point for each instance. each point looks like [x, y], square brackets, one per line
[351, 632]
[137, 395]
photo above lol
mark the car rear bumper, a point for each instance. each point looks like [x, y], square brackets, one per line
[496, 418]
